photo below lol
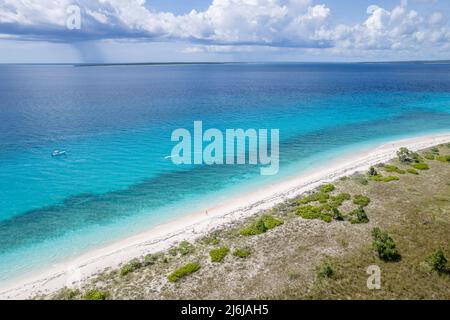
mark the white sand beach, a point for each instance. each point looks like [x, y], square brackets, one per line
[194, 225]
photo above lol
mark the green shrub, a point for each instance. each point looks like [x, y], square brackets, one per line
[321, 197]
[151, 259]
[434, 150]
[363, 181]
[443, 158]
[95, 294]
[183, 272]
[359, 216]
[185, 248]
[218, 255]
[312, 212]
[420, 166]
[327, 188]
[67, 294]
[391, 168]
[429, 156]
[378, 177]
[308, 212]
[413, 171]
[338, 200]
[242, 253]
[437, 261]
[326, 271]
[126, 269]
[270, 222]
[407, 156]
[130, 267]
[372, 172]
[384, 245]
[211, 240]
[390, 178]
[262, 225]
[330, 211]
[361, 200]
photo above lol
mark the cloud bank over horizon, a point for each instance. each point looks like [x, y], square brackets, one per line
[231, 26]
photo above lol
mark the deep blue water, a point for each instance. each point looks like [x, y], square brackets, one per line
[115, 124]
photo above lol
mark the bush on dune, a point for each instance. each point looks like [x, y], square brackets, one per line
[95, 294]
[391, 168]
[372, 172]
[242, 253]
[67, 294]
[385, 246]
[313, 212]
[443, 158]
[407, 156]
[218, 255]
[183, 272]
[151, 259]
[420, 166]
[437, 261]
[184, 248]
[338, 200]
[361, 200]
[413, 171]
[390, 178]
[131, 266]
[327, 188]
[262, 225]
[359, 216]
[434, 150]
[326, 271]
[321, 197]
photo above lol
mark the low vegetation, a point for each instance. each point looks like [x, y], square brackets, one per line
[361, 200]
[407, 156]
[443, 158]
[184, 248]
[392, 168]
[151, 259]
[359, 216]
[242, 253]
[68, 294]
[437, 261]
[314, 212]
[327, 188]
[265, 223]
[183, 272]
[95, 294]
[326, 271]
[385, 245]
[421, 166]
[218, 255]
[131, 266]
[338, 200]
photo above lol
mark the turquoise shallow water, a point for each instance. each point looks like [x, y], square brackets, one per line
[116, 122]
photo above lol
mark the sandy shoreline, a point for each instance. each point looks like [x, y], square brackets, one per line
[195, 225]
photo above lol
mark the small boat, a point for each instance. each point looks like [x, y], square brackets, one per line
[58, 153]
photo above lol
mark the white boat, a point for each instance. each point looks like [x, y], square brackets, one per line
[58, 153]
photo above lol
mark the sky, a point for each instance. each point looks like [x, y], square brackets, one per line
[113, 31]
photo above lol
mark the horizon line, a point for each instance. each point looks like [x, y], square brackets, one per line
[93, 64]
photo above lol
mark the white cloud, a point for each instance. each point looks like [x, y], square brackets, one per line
[231, 25]
[397, 29]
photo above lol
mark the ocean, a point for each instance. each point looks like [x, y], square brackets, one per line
[115, 124]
